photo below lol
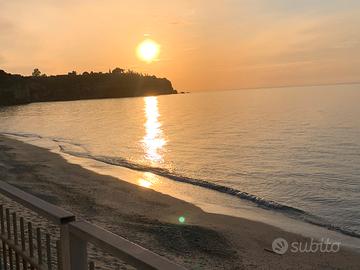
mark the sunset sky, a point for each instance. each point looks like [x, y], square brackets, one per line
[205, 44]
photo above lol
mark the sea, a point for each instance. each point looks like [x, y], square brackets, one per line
[292, 151]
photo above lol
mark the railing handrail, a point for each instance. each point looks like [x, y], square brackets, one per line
[74, 236]
[53, 213]
[122, 248]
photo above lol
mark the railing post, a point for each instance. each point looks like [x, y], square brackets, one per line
[65, 247]
[78, 253]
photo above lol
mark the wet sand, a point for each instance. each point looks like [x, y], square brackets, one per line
[151, 219]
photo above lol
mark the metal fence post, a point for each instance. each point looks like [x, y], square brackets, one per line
[78, 253]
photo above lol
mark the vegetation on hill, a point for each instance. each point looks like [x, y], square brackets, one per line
[18, 89]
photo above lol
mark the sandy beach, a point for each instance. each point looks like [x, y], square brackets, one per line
[149, 218]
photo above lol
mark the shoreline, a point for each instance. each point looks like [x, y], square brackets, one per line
[223, 203]
[151, 219]
[220, 203]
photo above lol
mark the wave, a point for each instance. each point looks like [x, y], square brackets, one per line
[259, 201]
[23, 135]
[36, 136]
[117, 161]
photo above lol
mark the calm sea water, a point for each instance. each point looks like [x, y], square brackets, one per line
[290, 149]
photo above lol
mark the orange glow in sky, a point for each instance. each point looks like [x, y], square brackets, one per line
[205, 45]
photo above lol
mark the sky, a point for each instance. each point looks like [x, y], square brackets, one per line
[205, 44]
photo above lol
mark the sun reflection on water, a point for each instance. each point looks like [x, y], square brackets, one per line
[145, 183]
[148, 180]
[153, 141]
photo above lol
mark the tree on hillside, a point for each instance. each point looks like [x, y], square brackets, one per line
[118, 71]
[36, 73]
[72, 73]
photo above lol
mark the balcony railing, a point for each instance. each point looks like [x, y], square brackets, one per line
[25, 247]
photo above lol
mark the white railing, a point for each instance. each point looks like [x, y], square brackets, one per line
[21, 250]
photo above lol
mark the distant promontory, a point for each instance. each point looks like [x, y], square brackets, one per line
[17, 89]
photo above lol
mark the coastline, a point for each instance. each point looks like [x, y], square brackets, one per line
[150, 218]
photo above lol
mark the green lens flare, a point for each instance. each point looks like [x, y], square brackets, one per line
[181, 219]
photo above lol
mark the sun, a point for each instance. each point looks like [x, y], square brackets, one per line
[148, 50]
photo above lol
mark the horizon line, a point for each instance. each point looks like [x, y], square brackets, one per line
[270, 87]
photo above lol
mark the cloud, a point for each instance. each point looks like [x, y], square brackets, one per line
[307, 6]
[17, 46]
[7, 31]
[6, 27]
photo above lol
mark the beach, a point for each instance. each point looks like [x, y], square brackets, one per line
[151, 219]
[143, 127]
